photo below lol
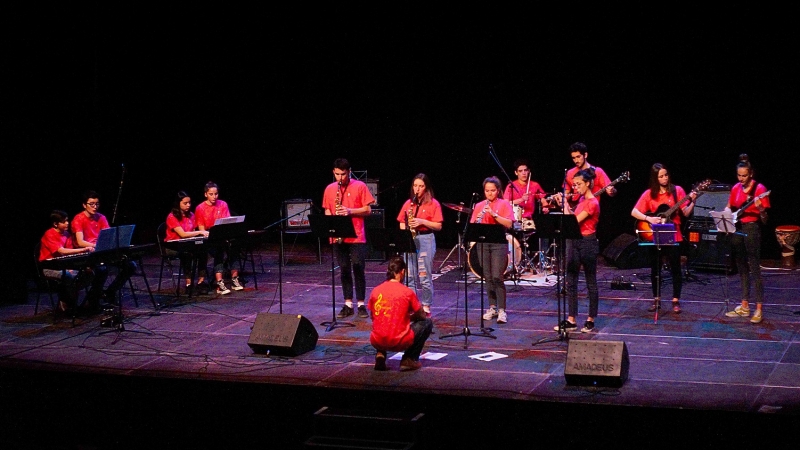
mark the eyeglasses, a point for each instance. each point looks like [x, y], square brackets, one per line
[93, 204]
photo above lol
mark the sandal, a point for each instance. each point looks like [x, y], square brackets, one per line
[676, 307]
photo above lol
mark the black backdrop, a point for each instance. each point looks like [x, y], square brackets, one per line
[263, 100]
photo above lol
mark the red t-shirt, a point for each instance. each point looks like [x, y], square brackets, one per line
[739, 197]
[354, 195]
[90, 226]
[589, 224]
[529, 207]
[52, 240]
[206, 215]
[499, 206]
[428, 211]
[187, 223]
[647, 204]
[392, 305]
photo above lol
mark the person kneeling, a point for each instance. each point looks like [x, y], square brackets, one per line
[399, 322]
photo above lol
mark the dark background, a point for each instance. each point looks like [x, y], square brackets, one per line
[262, 100]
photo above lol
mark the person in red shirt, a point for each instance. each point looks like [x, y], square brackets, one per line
[523, 192]
[663, 195]
[493, 257]
[746, 242]
[398, 321]
[580, 157]
[86, 226]
[349, 197]
[57, 241]
[423, 214]
[582, 251]
[180, 225]
[206, 214]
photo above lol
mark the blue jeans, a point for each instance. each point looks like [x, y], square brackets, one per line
[582, 252]
[351, 257]
[747, 251]
[420, 271]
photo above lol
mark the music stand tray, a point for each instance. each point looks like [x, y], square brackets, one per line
[485, 233]
[227, 231]
[392, 240]
[324, 226]
[555, 226]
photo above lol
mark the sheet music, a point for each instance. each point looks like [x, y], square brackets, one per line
[723, 220]
[231, 219]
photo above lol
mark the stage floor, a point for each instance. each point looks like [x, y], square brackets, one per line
[186, 362]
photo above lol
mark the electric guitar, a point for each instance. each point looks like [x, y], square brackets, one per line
[738, 213]
[645, 229]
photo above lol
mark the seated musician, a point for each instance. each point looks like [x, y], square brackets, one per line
[180, 225]
[86, 226]
[56, 242]
[207, 212]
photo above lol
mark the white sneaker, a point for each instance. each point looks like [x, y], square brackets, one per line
[739, 312]
[221, 289]
[491, 313]
[235, 285]
[501, 316]
[756, 317]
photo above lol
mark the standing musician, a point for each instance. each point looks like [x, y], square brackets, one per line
[661, 196]
[751, 202]
[582, 251]
[348, 197]
[579, 156]
[422, 214]
[494, 257]
[523, 192]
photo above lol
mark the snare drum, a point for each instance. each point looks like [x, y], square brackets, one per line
[473, 258]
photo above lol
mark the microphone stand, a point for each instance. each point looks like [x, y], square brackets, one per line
[119, 194]
[514, 274]
[281, 256]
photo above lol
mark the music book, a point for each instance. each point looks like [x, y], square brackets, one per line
[114, 237]
[723, 220]
[230, 219]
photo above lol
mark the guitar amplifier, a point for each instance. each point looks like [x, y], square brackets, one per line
[710, 250]
[374, 220]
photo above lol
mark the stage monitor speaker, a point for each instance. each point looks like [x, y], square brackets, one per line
[282, 335]
[626, 253]
[374, 220]
[596, 363]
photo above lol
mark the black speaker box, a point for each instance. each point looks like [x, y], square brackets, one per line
[626, 253]
[596, 363]
[374, 220]
[712, 253]
[282, 335]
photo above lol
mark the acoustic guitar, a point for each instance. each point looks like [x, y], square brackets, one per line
[645, 229]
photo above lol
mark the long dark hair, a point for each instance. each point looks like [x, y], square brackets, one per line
[176, 206]
[588, 176]
[655, 186]
[495, 181]
[428, 195]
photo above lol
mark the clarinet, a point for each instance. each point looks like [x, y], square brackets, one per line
[338, 203]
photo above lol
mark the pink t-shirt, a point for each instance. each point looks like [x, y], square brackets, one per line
[592, 207]
[739, 197]
[428, 211]
[206, 215]
[187, 223]
[354, 195]
[499, 206]
[90, 226]
[529, 207]
[52, 240]
[649, 205]
[392, 305]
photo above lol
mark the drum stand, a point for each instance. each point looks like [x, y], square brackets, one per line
[459, 246]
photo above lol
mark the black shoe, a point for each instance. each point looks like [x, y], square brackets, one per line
[380, 362]
[345, 312]
[202, 288]
[655, 306]
[566, 325]
[588, 327]
[362, 312]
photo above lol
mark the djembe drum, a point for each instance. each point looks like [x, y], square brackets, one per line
[787, 236]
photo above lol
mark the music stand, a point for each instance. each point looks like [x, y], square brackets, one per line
[559, 227]
[324, 226]
[392, 240]
[724, 221]
[661, 235]
[483, 234]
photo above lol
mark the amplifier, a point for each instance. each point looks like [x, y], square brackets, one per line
[374, 220]
[710, 250]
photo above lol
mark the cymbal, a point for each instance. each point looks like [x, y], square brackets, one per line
[459, 208]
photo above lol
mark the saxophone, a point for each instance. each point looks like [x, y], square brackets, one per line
[337, 204]
[410, 217]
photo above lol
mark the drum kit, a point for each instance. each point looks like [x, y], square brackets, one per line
[520, 258]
